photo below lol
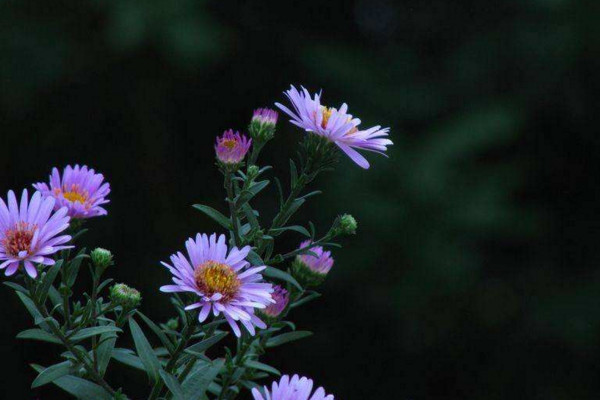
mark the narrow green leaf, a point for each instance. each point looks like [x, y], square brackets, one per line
[196, 384]
[295, 228]
[30, 306]
[126, 356]
[173, 385]
[158, 331]
[52, 373]
[306, 299]
[78, 387]
[93, 331]
[262, 367]
[287, 337]
[293, 172]
[105, 349]
[254, 258]
[74, 265]
[38, 334]
[215, 215]
[144, 350]
[16, 286]
[48, 280]
[281, 275]
[206, 343]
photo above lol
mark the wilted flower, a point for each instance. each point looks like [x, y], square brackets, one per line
[29, 232]
[337, 126]
[311, 269]
[262, 125]
[282, 298]
[224, 281]
[231, 148]
[81, 190]
[101, 258]
[128, 297]
[296, 388]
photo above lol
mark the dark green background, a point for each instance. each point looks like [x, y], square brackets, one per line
[474, 274]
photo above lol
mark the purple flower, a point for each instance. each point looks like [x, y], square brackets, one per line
[232, 147]
[311, 269]
[282, 298]
[265, 116]
[81, 190]
[337, 126]
[296, 388]
[321, 264]
[29, 232]
[224, 281]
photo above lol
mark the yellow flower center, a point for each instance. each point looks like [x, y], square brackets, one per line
[229, 143]
[74, 194]
[326, 115]
[213, 277]
[18, 239]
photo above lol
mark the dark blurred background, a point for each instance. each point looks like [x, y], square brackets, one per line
[474, 274]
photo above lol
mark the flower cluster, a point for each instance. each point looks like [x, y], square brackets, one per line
[241, 282]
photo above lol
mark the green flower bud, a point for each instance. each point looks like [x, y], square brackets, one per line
[101, 258]
[173, 324]
[348, 224]
[252, 171]
[125, 296]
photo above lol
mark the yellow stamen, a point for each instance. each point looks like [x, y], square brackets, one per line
[213, 277]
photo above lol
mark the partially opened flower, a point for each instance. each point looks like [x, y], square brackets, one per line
[223, 280]
[262, 126]
[231, 148]
[30, 232]
[312, 267]
[337, 126]
[281, 298]
[80, 189]
[296, 388]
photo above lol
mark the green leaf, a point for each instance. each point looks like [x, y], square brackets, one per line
[144, 350]
[306, 299]
[16, 286]
[52, 373]
[250, 216]
[73, 269]
[105, 349]
[38, 334]
[287, 337]
[293, 173]
[295, 228]
[254, 258]
[293, 208]
[159, 332]
[281, 275]
[195, 385]
[246, 195]
[206, 343]
[173, 385]
[96, 330]
[30, 306]
[126, 356]
[262, 367]
[48, 280]
[215, 215]
[78, 387]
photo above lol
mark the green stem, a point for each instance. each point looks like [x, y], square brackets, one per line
[238, 362]
[232, 208]
[188, 330]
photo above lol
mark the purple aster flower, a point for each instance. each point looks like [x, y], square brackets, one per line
[311, 269]
[282, 298]
[232, 147]
[224, 281]
[265, 116]
[80, 189]
[337, 126]
[296, 388]
[30, 232]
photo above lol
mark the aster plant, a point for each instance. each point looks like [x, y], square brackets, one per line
[238, 281]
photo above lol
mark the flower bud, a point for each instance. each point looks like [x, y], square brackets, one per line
[345, 225]
[252, 172]
[311, 269]
[101, 258]
[231, 148]
[125, 296]
[262, 125]
[272, 311]
[173, 324]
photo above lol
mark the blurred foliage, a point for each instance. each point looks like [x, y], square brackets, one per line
[474, 271]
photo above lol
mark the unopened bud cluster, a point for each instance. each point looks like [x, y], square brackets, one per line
[125, 296]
